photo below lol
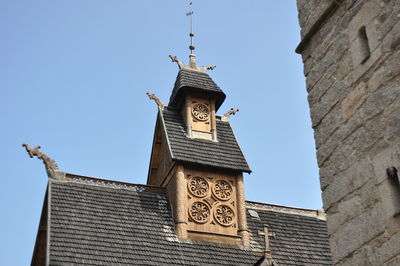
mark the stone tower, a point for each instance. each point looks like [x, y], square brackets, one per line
[351, 55]
[195, 156]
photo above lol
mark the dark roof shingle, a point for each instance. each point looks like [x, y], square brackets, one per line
[300, 239]
[98, 225]
[195, 81]
[225, 153]
[101, 223]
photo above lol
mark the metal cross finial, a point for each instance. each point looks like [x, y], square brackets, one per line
[267, 234]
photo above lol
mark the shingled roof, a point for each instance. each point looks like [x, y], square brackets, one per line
[98, 222]
[195, 81]
[301, 236]
[225, 153]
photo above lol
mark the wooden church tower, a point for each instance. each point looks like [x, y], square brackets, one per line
[194, 191]
[196, 157]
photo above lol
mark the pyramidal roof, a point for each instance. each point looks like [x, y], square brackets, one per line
[192, 81]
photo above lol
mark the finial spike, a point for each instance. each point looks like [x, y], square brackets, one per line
[192, 57]
[191, 34]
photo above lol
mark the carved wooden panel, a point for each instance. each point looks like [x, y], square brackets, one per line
[201, 115]
[211, 202]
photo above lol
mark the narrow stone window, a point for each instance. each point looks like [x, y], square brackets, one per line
[363, 44]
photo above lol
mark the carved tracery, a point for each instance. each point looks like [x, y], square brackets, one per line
[222, 190]
[198, 186]
[201, 112]
[224, 215]
[199, 212]
[212, 203]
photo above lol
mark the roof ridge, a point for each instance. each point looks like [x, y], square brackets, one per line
[113, 183]
[320, 214]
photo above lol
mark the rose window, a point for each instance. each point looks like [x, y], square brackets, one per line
[199, 212]
[200, 111]
[224, 215]
[198, 186]
[222, 190]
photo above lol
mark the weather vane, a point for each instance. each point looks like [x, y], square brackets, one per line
[192, 57]
[191, 34]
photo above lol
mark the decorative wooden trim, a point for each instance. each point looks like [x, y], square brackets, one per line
[180, 202]
[50, 164]
[241, 211]
[156, 99]
[192, 64]
[226, 116]
[188, 116]
[213, 121]
[212, 233]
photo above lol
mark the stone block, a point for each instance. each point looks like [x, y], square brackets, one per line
[323, 85]
[346, 209]
[349, 127]
[344, 67]
[392, 130]
[392, 66]
[388, 253]
[326, 176]
[325, 150]
[343, 157]
[376, 80]
[325, 129]
[378, 100]
[356, 233]
[319, 77]
[363, 256]
[353, 101]
[312, 78]
[380, 251]
[388, 18]
[365, 137]
[312, 11]
[347, 181]
[393, 261]
[394, 107]
[354, 204]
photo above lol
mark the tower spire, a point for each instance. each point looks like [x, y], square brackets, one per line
[191, 34]
[192, 57]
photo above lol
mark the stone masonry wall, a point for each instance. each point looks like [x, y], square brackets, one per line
[352, 69]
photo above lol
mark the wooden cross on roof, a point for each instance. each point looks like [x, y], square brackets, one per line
[266, 234]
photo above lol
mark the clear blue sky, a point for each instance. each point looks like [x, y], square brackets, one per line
[73, 78]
